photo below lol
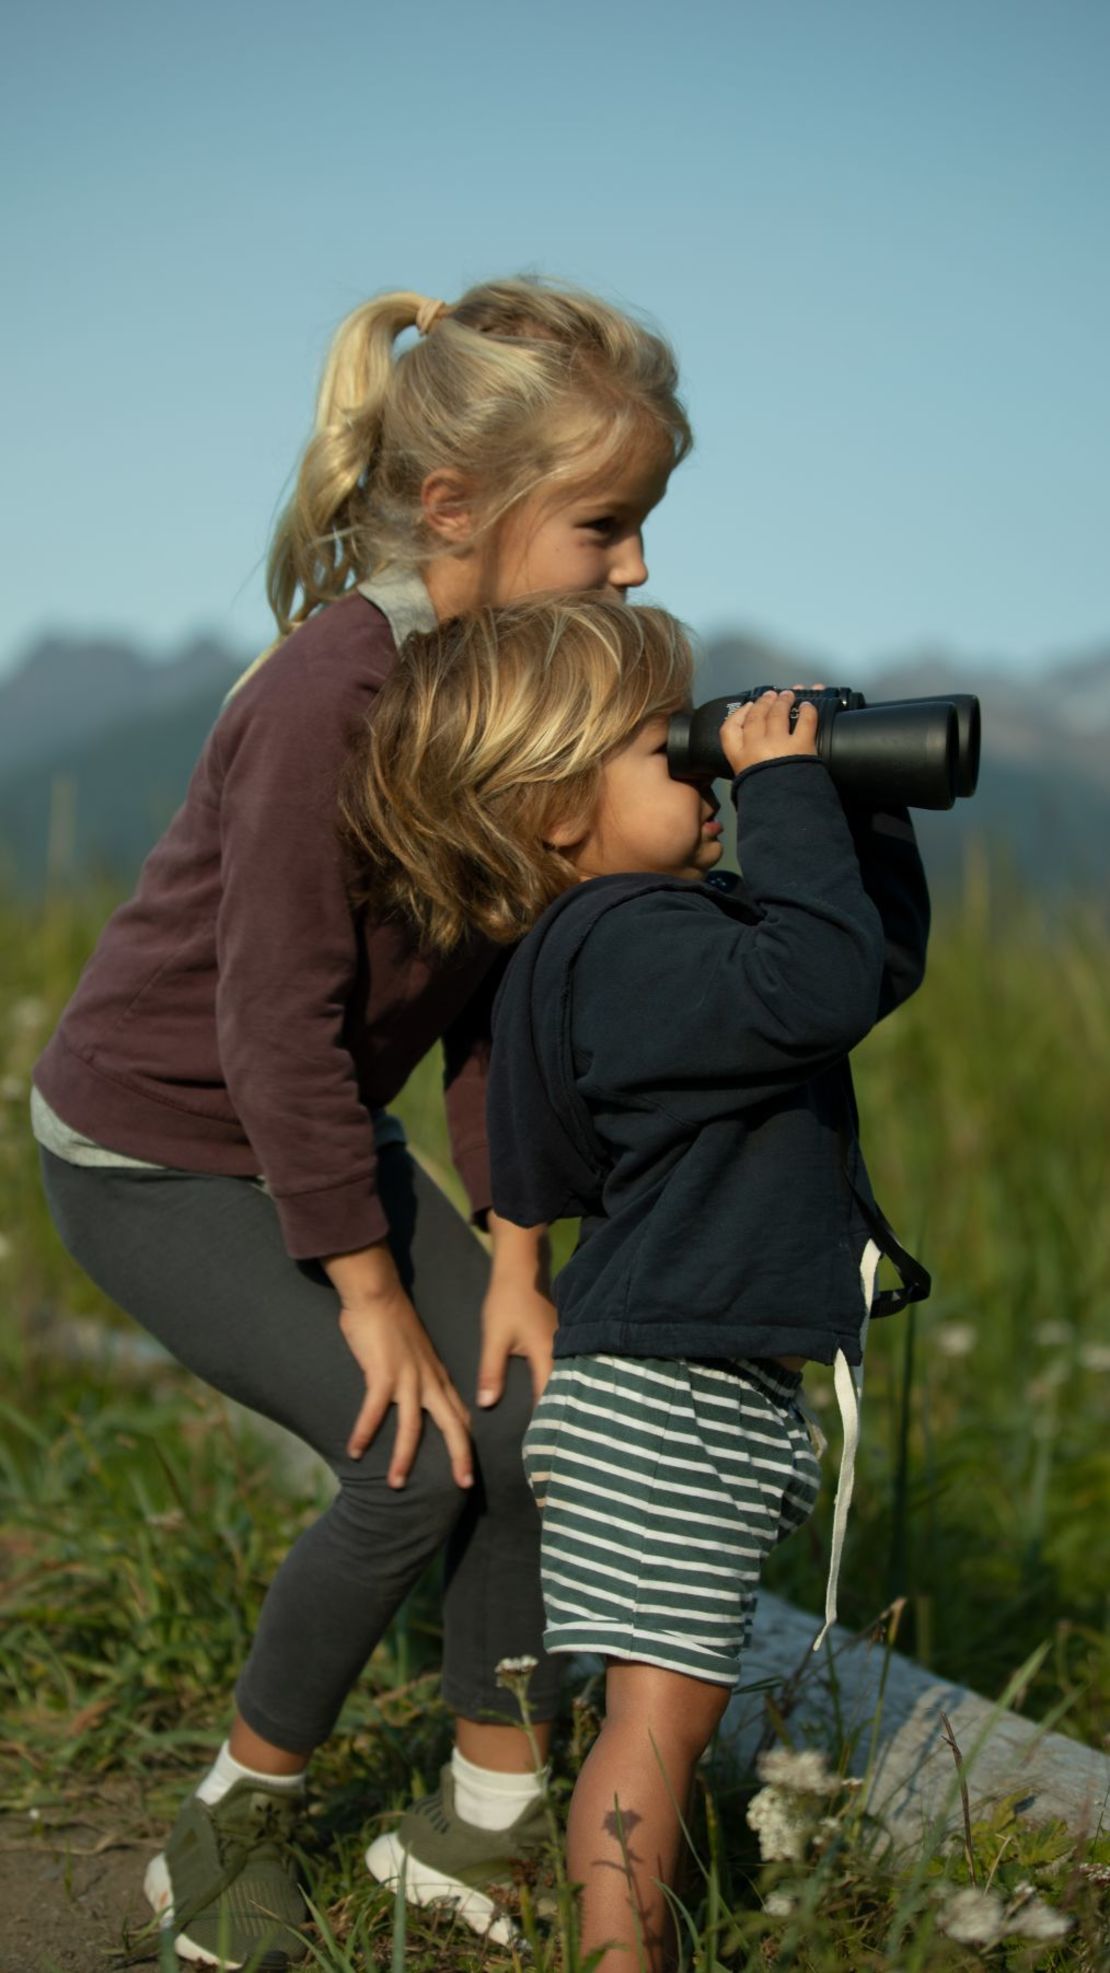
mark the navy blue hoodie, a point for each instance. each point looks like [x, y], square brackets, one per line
[670, 1064]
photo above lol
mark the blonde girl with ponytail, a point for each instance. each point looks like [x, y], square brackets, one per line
[511, 400]
[213, 1110]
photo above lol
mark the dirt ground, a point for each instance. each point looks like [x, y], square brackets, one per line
[63, 1910]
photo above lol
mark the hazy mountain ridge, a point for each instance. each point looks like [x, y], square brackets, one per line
[98, 731]
[69, 689]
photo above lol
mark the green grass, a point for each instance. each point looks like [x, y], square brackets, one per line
[140, 1532]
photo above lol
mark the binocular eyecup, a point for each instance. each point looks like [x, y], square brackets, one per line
[916, 753]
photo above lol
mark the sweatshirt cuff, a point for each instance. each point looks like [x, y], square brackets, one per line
[339, 1219]
[784, 760]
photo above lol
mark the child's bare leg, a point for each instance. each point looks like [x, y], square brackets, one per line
[656, 1723]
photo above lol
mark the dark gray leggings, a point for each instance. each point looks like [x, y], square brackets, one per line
[199, 1262]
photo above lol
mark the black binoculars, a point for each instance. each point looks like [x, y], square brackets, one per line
[917, 753]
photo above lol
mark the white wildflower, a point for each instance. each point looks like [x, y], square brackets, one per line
[1053, 1335]
[980, 1918]
[1095, 1356]
[954, 1338]
[516, 1667]
[779, 1904]
[784, 1813]
[513, 1675]
[1029, 1917]
[804, 1772]
[973, 1918]
[782, 1832]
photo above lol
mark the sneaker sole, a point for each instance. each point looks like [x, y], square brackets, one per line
[387, 1858]
[158, 1893]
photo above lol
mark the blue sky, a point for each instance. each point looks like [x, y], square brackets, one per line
[877, 234]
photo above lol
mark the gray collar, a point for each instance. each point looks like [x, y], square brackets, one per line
[402, 598]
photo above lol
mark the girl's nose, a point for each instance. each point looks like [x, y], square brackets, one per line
[629, 570]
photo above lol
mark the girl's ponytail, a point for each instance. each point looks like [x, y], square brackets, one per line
[518, 384]
[318, 547]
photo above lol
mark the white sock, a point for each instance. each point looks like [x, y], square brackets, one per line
[225, 1771]
[490, 1800]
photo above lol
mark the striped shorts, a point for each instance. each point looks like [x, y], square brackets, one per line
[663, 1484]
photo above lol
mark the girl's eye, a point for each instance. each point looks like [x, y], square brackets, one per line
[603, 525]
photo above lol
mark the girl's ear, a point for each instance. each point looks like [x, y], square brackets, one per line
[447, 503]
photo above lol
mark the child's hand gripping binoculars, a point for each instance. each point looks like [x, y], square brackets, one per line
[916, 753]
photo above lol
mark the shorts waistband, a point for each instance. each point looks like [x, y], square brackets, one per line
[768, 1376]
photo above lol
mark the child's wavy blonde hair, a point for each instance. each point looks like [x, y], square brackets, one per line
[518, 383]
[493, 729]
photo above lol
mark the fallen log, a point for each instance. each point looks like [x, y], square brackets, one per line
[892, 1714]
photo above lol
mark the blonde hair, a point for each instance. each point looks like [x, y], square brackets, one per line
[513, 385]
[491, 730]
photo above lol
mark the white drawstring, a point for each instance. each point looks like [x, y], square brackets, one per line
[848, 1385]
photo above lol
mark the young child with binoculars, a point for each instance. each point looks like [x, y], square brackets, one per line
[670, 1064]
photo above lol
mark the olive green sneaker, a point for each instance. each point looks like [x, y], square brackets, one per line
[226, 1886]
[446, 1860]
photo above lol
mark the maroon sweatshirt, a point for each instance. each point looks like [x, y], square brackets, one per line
[240, 1015]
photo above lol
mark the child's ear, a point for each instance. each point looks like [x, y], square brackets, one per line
[567, 834]
[447, 504]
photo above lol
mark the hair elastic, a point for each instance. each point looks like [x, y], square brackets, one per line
[428, 314]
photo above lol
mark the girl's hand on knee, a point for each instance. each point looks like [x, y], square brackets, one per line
[394, 1352]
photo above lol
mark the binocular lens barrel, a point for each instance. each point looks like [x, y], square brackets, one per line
[916, 753]
[968, 730]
